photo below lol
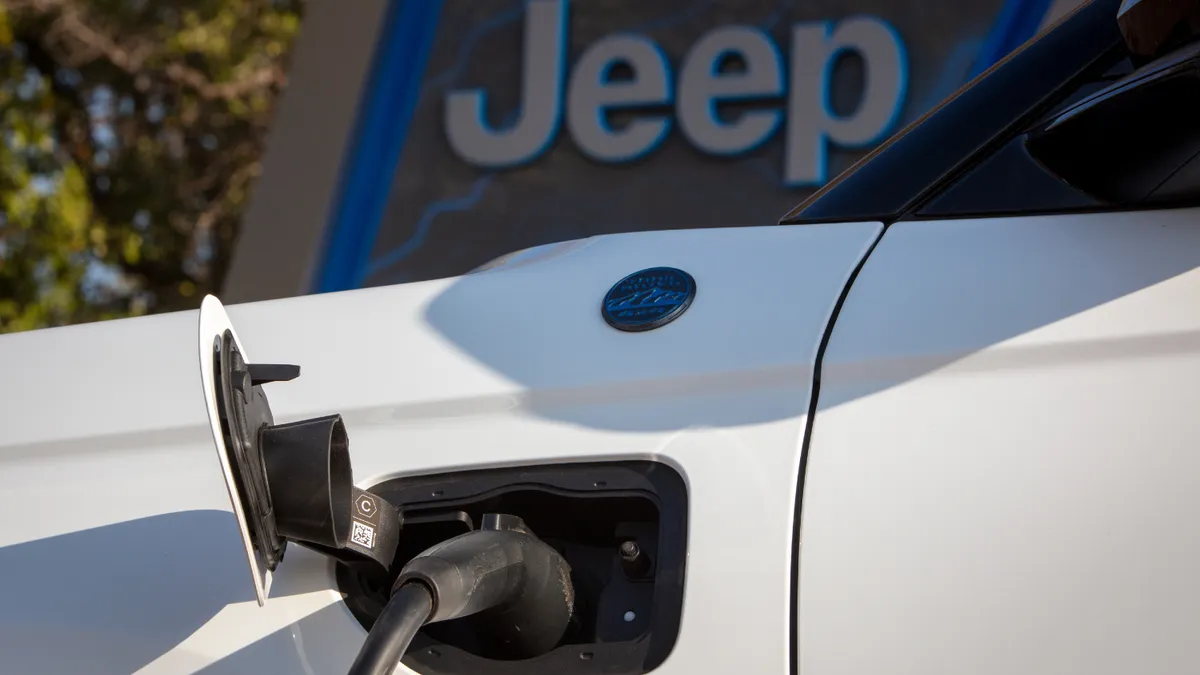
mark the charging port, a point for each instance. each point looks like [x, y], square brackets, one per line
[621, 526]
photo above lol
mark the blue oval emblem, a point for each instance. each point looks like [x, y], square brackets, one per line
[648, 299]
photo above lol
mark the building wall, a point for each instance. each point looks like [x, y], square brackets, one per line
[419, 139]
[282, 234]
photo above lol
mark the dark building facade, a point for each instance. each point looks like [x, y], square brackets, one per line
[420, 139]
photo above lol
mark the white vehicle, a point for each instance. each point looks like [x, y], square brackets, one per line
[943, 420]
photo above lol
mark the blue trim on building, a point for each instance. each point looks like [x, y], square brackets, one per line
[1019, 20]
[389, 99]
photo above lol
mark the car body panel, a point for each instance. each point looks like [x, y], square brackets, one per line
[1002, 475]
[119, 551]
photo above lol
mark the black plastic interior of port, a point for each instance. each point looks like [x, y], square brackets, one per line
[625, 622]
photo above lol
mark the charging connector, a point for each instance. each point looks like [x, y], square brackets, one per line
[515, 590]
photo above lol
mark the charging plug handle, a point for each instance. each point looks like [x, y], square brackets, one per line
[513, 588]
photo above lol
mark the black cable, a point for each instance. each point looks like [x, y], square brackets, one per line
[403, 615]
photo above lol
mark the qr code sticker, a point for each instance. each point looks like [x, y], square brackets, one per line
[363, 535]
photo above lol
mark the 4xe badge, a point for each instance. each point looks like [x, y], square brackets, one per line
[648, 299]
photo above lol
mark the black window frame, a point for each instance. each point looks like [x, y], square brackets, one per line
[900, 176]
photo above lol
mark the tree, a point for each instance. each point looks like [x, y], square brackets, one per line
[131, 132]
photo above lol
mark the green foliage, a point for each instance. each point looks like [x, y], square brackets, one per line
[131, 133]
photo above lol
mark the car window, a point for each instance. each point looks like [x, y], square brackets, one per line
[1009, 181]
[975, 122]
[1131, 142]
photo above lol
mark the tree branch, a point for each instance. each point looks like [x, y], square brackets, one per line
[82, 42]
[220, 204]
[269, 77]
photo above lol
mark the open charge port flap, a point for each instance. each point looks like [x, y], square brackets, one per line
[621, 526]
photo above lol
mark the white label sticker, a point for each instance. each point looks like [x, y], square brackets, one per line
[363, 535]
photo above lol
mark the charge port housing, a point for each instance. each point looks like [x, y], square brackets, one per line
[621, 526]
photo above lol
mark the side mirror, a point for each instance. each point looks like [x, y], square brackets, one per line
[1135, 140]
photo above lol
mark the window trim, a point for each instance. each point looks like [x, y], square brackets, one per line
[902, 174]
